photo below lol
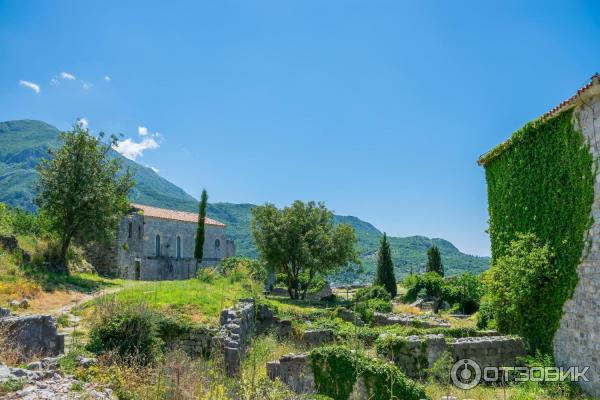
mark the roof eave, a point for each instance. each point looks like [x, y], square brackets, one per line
[591, 89]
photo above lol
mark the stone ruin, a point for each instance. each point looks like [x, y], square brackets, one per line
[414, 357]
[33, 335]
[421, 352]
[422, 321]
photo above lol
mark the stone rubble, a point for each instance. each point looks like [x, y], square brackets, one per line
[423, 321]
[41, 381]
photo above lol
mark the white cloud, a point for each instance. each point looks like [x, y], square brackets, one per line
[67, 76]
[107, 78]
[33, 86]
[152, 168]
[133, 150]
[142, 131]
[86, 85]
[83, 122]
[54, 82]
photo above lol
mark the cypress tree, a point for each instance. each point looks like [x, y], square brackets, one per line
[434, 261]
[385, 268]
[199, 250]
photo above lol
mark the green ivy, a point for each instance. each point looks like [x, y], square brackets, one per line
[541, 181]
[337, 368]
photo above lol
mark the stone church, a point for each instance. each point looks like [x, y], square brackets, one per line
[158, 244]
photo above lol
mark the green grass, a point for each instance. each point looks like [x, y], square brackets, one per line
[199, 301]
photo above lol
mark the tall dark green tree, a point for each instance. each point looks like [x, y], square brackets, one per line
[434, 261]
[199, 250]
[385, 268]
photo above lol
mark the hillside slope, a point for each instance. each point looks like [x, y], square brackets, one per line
[24, 143]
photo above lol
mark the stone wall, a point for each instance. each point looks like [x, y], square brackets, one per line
[577, 341]
[421, 352]
[33, 335]
[237, 326]
[197, 342]
[294, 371]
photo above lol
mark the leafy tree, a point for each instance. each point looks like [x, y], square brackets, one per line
[199, 250]
[302, 242]
[385, 268]
[81, 190]
[520, 285]
[434, 261]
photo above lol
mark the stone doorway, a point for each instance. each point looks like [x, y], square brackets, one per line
[138, 269]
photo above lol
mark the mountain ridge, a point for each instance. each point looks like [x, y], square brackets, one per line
[23, 143]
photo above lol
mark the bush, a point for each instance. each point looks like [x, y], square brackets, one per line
[430, 284]
[238, 267]
[370, 300]
[463, 291]
[372, 292]
[485, 316]
[367, 309]
[134, 332]
[520, 285]
[206, 275]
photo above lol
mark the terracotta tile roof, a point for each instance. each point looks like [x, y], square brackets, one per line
[564, 105]
[571, 100]
[164, 213]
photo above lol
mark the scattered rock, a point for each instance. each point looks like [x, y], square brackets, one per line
[86, 362]
[34, 334]
[20, 303]
[421, 321]
[35, 366]
[317, 337]
[4, 312]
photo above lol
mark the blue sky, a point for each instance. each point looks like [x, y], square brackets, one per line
[378, 108]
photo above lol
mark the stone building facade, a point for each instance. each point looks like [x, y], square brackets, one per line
[577, 341]
[158, 244]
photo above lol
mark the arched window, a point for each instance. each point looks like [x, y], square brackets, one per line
[129, 230]
[157, 245]
[217, 244]
[178, 247]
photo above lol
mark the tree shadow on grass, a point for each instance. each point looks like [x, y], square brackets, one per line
[51, 281]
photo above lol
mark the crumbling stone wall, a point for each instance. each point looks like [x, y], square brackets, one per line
[197, 341]
[489, 351]
[414, 354]
[237, 326]
[418, 353]
[33, 335]
[294, 371]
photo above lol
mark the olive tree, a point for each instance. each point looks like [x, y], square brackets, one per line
[302, 242]
[81, 189]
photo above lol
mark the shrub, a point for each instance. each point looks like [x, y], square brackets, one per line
[520, 284]
[367, 309]
[134, 332]
[370, 300]
[206, 275]
[430, 284]
[372, 292]
[465, 291]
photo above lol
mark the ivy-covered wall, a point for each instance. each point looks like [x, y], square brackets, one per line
[337, 369]
[542, 182]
